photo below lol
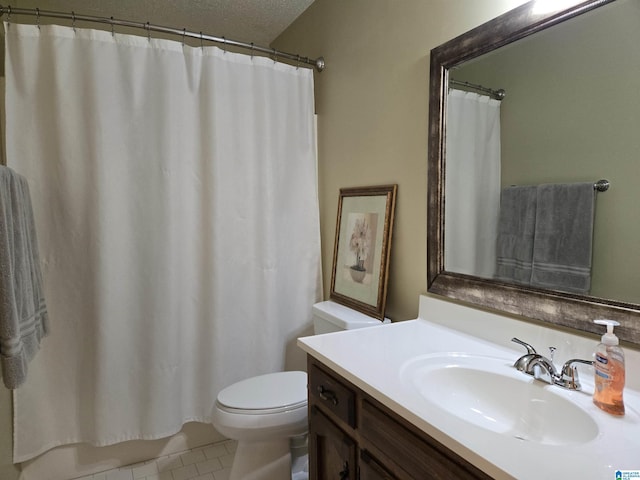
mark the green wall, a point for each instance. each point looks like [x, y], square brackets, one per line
[571, 115]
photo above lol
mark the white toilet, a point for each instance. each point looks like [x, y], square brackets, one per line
[267, 414]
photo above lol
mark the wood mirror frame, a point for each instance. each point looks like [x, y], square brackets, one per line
[562, 309]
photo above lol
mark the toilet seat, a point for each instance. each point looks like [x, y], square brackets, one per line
[261, 408]
[265, 394]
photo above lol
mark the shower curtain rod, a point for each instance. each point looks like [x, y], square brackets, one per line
[496, 94]
[318, 63]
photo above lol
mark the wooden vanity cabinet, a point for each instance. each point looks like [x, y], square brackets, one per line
[352, 436]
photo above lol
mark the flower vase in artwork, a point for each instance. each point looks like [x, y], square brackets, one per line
[359, 245]
[358, 271]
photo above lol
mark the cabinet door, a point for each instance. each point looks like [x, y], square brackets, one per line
[408, 450]
[371, 469]
[332, 453]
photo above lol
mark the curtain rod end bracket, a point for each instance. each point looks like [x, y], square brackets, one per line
[320, 64]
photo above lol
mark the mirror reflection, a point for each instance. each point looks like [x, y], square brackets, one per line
[517, 167]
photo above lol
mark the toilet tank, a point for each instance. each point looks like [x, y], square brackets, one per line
[330, 316]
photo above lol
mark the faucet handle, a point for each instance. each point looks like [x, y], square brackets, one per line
[569, 373]
[530, 349]
[522, 363]
[568, 365]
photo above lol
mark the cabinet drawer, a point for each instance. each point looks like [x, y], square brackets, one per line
[332, 395]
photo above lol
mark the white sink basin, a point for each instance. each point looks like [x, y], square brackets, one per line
[490, 393]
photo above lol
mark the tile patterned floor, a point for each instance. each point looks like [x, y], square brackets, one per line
[211, 462]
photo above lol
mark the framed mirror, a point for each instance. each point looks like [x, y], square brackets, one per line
[569, 107]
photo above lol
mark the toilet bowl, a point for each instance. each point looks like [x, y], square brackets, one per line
[267, 414]
[263, 413]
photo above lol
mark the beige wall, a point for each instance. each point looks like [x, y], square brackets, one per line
[372, 106]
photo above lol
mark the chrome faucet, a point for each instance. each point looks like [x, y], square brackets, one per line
[540, 367]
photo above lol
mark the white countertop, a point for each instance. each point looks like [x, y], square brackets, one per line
[372, 358]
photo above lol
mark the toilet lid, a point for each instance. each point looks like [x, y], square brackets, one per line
[271, 391]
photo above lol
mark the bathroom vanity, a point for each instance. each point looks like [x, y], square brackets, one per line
[352, 435]
[438, 397]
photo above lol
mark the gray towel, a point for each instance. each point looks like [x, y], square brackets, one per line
[23, 314]
[516, 227]
[564, 237]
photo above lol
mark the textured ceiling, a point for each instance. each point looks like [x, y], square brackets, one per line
[258, 21]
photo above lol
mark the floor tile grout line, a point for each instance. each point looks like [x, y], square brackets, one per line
[173, 457]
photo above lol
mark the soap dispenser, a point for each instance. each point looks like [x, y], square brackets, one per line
[609, 371]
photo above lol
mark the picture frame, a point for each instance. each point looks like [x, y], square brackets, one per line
[364, 231]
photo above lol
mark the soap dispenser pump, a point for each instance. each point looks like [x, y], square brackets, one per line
[609, 371]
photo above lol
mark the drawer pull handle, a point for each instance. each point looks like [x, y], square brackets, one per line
[327, 395]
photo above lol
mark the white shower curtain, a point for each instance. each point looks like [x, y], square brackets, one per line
[472, 173]
[175, 196]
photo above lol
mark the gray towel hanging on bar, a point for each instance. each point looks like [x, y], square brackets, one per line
[563, 243]
[516, 228]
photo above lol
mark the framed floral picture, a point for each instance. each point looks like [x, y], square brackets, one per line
[362, 245]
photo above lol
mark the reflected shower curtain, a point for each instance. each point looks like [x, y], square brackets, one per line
[176, 204]
[472, 173]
